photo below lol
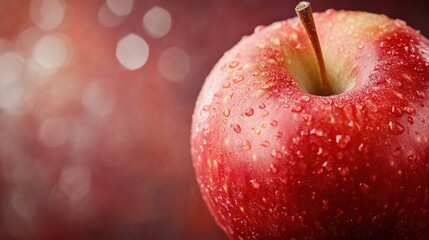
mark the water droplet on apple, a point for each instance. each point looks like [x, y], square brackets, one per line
[227, 112]
[273, 169]
[265, 143]
[226, 85]
[279, 135]
[397, 111]
[237, 128]
[246, 145]
[410, 120]
[305, 98]
[262, 105]
[317, 132]
[307, 117]
[410, 110]
[249, 112]
[276, 154]
[237, 78]
[297, 109]
[344, 171]
[420, 94]
[255, 184]
[364, 188]
[233, 64]
[342, 140]
[382, 44]
[265, 113]
[396, 128]
[274, 123]
[320, 151]
[328, 166]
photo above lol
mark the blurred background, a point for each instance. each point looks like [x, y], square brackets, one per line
[96, 99]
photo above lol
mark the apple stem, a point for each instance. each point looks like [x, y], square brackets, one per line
[305, 14]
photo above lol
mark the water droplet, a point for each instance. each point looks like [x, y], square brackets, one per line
[299, 154]
[255, 73]
[382, 44]
[237, 128]
[227, 112]
[396, 128]
[344, 171]
[364, 188]
[420, 94]
[410, 110]
[305, 98]
[276, 154]
[226, 85]
[273, 169]
[246, 145]
[297, 109]
[262, 105]
[397, 111]
[328, 166]
[343, 140]
[265, 143]
[410, 120]
[320, 151]
[233, 64]
[317, 132]
[249, 112]
[307, 117]
[237, 78]
[265, 113]
[274, 123]
[255, 184]
[279, 135]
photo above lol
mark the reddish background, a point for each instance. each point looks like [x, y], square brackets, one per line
[135, 166]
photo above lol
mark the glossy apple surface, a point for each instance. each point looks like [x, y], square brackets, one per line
[275, 160]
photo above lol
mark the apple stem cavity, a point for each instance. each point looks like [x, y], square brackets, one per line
[305, 14]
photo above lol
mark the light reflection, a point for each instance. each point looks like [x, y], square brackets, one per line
[51, 52]
[47, 14]
[132, 51]
[174, 64]
[157, 22]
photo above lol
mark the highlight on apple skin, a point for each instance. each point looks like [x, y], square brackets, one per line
[275, 160]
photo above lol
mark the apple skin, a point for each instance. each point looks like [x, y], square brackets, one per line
[276, 162]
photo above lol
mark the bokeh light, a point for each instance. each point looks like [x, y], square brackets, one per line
[96, 101]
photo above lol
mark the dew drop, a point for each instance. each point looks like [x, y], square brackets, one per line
[249, 112]
[382, 44]
[317, 132]
[410, 110]
[237, 128]
[276, 154]
[273, 169]
[397, 111]
[307, 117]
[227, 112]
[420, 94]
[246, 145]
[274, 123]
[226, 85]
[262, 105]
[265, 113]
[328, 166]
[343, 171]
[320, 151]
[364, 188]
[396, 128]
[265, 143]
[255, 184]
[296, 109]
[410, 120]
[233, 64]
[279, 135]
[342, 140]
[238, 78]
[305, 98]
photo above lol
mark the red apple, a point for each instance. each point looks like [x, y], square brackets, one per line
[275, 160]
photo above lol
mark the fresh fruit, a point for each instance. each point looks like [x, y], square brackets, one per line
[275, 159]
